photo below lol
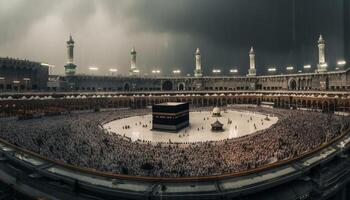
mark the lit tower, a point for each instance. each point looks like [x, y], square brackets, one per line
[133, 68]
[322, 65]
[198, 71]
[252, 70]
[70, 66]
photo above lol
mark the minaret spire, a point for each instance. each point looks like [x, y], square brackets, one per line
[322, 65]
[133, 67]
[198, 71]
[251, 70]
[70, 67]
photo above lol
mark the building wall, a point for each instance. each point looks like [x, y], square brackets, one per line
[339, 81]
[21, 75]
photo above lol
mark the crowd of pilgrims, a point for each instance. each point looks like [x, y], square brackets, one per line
[80, 140]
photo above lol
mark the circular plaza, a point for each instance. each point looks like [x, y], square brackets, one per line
[235, 124]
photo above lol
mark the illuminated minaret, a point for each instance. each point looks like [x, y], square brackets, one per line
[322, 65]
[252, 70]
[70, 66]
[198, 71]
[133, 68]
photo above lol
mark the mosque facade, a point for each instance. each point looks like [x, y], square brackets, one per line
[12, 71]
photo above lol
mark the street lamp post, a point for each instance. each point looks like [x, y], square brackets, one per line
[341, 64]
[290, 69]
[112, 71]
[176, 72]
[216, 71]
[93, 69]
[272, 70]
[156, 72]
[234, 71]
[307, 68]
[136, 72]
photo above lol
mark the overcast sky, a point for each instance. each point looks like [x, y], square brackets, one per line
[166, 33]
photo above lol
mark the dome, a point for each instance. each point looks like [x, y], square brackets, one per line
[216, 110]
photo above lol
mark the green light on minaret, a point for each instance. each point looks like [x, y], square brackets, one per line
[70, 67]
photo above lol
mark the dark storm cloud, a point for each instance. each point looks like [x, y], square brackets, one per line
[17, 16]
[166, 32]
[224, 29]
[226, 22]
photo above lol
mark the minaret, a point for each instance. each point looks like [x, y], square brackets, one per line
[70, 49]
[133, 68]
[252, 70]
[70, 67]
[198, 71]
[322, 65]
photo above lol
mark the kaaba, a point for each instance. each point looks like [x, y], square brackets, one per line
[170, 116]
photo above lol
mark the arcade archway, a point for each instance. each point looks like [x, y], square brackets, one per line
[167, 86]
[292, 84]
[181, 86]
